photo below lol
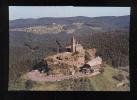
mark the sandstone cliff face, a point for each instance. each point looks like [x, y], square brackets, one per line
[68, 63]
[91, 53]
[72, 59]
[95, 61]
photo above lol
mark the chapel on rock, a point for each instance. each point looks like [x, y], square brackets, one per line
[74, 46]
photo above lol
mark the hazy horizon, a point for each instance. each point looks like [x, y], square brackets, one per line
[65, 17]
[34, 12]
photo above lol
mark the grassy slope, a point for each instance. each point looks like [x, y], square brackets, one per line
[102, 82]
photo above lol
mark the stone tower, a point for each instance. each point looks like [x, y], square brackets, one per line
[73, 45]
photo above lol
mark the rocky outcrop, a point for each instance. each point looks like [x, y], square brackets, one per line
[95, 61]
[70, 62]
[91, 53]
[68, 58]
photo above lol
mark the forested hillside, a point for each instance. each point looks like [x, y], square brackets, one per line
[28, 49]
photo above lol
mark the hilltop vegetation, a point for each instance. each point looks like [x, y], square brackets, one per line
[101, 82]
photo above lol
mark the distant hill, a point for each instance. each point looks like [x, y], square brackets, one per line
[107, 22]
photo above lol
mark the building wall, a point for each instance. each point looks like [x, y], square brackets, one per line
[73, 45]
[79, 48]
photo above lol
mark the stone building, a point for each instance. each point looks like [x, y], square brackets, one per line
[74, 46]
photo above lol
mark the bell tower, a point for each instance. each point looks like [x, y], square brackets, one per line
[73, 44]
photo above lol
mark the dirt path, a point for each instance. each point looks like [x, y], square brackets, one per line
[36, 76]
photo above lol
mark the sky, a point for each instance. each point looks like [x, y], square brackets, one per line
[22, 12]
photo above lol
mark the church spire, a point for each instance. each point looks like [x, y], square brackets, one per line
[73, 45]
